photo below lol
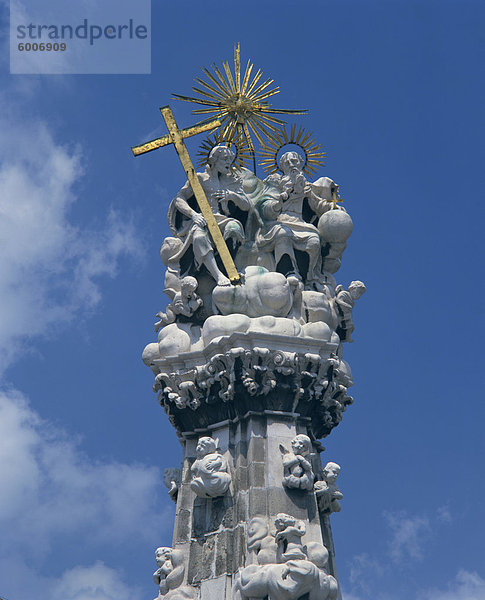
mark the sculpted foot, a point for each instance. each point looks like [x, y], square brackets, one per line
[223, 280]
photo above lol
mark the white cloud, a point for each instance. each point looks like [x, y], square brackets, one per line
[49, 269]
[466, 586]
[360, 567]
[52, 490]
[18, 579]
[96, 582]
[443, 514]
[350, 596]
[408, 535]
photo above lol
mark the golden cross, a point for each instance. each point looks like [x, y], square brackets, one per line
[334, 199]
[176, 137]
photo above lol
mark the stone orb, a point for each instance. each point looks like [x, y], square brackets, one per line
[151, 353]
[335, 226]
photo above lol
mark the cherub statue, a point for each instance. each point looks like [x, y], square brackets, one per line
[297, 468]
[261, 542]
[298, 571]
[165, 567]
[171, 479]
[170, 575]
[185, 302]
[289, 532]
[327, 493]
[344, 303]
[210, 470]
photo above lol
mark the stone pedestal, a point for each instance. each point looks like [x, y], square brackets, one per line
[253, 402]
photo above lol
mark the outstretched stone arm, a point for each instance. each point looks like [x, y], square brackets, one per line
[317, 204]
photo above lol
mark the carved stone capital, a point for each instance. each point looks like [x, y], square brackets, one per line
[244, 373]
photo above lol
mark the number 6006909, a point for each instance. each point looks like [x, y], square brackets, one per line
[42, 47]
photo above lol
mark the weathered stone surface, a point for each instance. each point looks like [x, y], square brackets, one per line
[215, 589]
[256, 449]
[182, 526]
[257, 474]
[201, 560]
[258, 501]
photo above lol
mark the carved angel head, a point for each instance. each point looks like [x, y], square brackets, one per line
[331, 471]
[162, 555]
[301, 444]
[205, 446]
[282, 521]
[356, 289]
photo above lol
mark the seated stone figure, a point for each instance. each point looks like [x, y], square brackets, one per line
[297, 469]
[285, 230]
[210, 477]
[186, 222]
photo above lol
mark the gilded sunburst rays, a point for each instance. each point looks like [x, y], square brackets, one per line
[238, 145]
[241, 104]
[313, 152]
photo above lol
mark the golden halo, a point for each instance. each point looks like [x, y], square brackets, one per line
[239, 101]
[312, 151]
[240, 148]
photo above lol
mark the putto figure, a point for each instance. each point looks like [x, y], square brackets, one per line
[327, 493]
[261, 542]
[220, 186]
[210, 470]
[185, 303]
[297, 468]
[344, 303]
[289, 532]
[170, 575]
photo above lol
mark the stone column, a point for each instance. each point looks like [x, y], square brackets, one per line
[212, 532]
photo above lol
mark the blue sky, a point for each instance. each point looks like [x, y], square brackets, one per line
[395, 94]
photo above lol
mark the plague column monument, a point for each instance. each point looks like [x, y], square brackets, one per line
[249, 363]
